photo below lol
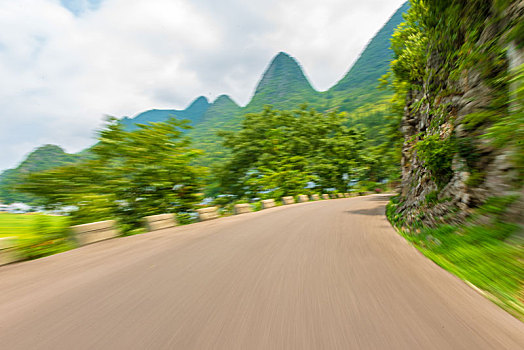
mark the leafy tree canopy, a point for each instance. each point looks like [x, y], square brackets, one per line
[131, 175]
[282, 152]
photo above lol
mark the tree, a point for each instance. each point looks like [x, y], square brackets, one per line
[131, 175]
[282, 152]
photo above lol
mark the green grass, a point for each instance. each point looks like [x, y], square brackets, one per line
[29, 225]
[478, 253]
[36, 235]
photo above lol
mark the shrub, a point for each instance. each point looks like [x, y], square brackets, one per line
[437, 155]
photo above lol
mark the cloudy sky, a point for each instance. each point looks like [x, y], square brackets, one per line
[64, 64]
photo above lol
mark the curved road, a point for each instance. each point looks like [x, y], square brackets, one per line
[320, 275]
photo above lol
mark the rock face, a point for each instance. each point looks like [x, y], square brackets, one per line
[451, 108]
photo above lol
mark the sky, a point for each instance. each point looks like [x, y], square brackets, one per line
[66, 64]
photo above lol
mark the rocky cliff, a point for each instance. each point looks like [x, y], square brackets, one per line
[462, 121]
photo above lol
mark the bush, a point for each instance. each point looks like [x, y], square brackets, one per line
[48, 239]
[186, 218]
[257, 206]
[432, 197]
[437, 155]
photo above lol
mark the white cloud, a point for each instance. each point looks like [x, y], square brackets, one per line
[63, 69]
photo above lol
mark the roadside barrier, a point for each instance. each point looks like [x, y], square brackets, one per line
[8, 253]
[268, 203]
[243, 208]
[102, 230]
[160, 221]
[95, 231]
[207, 213]
[303, 198]
[288, 200]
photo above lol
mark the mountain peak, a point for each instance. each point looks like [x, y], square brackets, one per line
[41, 158]
[49, 147]
[282, 68]
[199, 99]
[282, 55]
[48, 150]
[194, 113]
[198, 103]
[222, 108]
[282, 80]
[284, 61]
[223, 99]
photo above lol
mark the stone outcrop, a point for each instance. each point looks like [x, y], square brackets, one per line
[479, 169]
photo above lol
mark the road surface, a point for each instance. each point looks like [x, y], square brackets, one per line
[319, 275]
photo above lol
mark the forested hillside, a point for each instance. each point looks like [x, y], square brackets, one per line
[194, 113]
[43, 158]
[284, 85]
[354, 89]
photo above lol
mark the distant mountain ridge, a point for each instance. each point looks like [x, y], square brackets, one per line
[221, 107]
[373, 63]
[41, 159]
[282, 85]
[195, 112]
[285, 86]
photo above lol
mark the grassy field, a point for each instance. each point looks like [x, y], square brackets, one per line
[36, 235]
[30, 225]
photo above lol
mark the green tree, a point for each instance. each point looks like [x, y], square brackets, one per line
[132, 174]
[280, 152]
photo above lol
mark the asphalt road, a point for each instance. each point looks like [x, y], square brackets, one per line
[320, 275]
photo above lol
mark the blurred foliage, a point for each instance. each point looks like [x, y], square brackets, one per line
[369, 186]
[132, 174]
[26, 225]
[41, 159]
[509, 130]
[36, 235]
[437, 155]
[278, 153]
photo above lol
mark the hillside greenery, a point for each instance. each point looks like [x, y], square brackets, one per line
[153, 169]
[358, 86]
[283, 86]
[194, 113]
[41, 159]
[36, 235]
[132, 174]
[222, 114]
